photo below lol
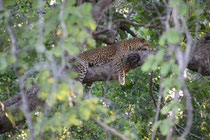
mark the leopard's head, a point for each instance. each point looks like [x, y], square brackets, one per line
[139, 44]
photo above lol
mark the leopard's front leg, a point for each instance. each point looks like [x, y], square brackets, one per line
[82, 70]
[121, 73]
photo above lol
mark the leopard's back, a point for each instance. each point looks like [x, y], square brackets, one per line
[108, 53]
[99, 55]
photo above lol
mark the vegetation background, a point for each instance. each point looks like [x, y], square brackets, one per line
[172, 102]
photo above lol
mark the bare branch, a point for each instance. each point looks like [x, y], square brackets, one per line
[105, 39]
[56, 70]
[108, 128]
[157, 112]
[125, 21]
[13, 104]
[98, 9]
[183, 62]
[189, 132]
[128, 30]
[150, 89]
[95, 33]
[79, 2]
[189, 109]
[20, 80]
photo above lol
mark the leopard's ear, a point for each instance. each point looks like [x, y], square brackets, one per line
[144, 48]
[142, 40]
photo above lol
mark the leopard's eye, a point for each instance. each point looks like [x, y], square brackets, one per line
[145, 48]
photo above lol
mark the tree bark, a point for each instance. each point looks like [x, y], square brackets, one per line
[98, 9]
[201, 56]
[13, 105]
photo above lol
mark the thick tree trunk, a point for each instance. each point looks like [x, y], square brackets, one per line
[200, 61]
[13, 105]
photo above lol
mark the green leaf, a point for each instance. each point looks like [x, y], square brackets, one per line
[164, 68]
[148, 64]
[110, 119]
[173, 3]
[173, 36]
[57, 51]
[167, 108]
[8, 2]
[182, 8]
[168, 82]
[156, 125]
[162, 39]
[159, 55]
[84, 113]
[3, 62]
[73, 74]
[72, 50]
[165, 125]
[11, 59]
[175, 69]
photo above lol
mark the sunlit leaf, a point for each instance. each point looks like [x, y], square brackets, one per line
[182, 8]
[3, 62]
[165, 125]
[173, 36]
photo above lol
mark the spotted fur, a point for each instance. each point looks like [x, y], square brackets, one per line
[115, 53]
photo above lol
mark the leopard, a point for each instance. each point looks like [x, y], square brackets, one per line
[110, 53]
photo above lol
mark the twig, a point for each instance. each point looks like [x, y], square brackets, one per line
[197, 18]
[174, 15]
[189, 109]
[150, 89]
[48, 3]
[189, 132]
[108, 128]
[133, 8]
[104, 39]
[99, 8]
[170, 132]
[56, 71]
[156, 9]
[79, 2]
[136, 24]
[157, 112]
[189, 42]
[184, 63]
[21, 82]
[6, 114]
[128, 30]
[168, 11]
[95, 33]
[71, 133]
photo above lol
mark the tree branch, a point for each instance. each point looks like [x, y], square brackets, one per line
[105, 39]
[106, 127]
[20, 78]
[150, 89]
[125, 21]
[123, 27]
[13, 104]
[98, 9]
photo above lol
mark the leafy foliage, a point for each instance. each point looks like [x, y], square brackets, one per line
[42, 41]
